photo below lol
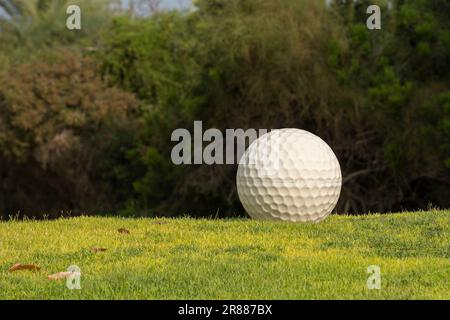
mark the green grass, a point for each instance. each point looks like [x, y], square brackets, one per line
[230, 259]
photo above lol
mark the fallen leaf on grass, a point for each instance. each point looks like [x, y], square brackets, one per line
[123, 230]
[97, 250]
[63, 275]
[159, 222]
[19, 266]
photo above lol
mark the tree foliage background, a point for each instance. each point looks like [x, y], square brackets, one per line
[85, 125]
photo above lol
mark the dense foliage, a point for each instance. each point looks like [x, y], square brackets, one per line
[57, 121]
[27, 26]
[380, 98]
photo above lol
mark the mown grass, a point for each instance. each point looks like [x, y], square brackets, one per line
[230, 259]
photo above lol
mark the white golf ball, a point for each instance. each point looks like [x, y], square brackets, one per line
[289, 175]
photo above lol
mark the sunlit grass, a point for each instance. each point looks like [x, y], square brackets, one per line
[230, 259]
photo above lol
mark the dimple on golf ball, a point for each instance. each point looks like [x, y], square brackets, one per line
[289, 175]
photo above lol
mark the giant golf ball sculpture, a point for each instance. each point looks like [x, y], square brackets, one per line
[289, 175]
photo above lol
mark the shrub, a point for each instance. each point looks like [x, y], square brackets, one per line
[57, 119]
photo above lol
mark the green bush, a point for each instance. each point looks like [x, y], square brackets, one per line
[57, 118]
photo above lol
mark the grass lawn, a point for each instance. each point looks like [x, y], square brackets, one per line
[230, 259]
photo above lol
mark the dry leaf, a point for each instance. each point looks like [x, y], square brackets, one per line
[159, 222]
[63, 275]
[123, 230]
[19, 266]
[97, 250]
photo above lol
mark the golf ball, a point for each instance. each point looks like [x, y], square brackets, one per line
[289, 175]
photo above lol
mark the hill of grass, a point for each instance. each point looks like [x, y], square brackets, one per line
[230, 259]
